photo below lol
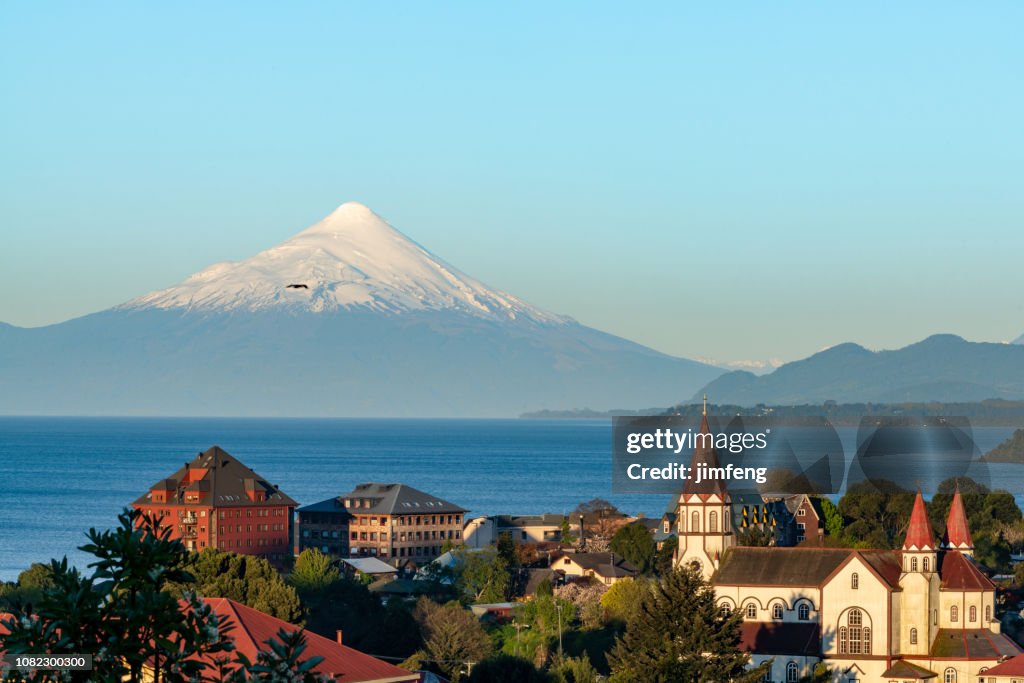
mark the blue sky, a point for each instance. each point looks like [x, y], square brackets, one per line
[750, 181]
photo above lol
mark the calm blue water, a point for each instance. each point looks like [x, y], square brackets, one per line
[60, 476]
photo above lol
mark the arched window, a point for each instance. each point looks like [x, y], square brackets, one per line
[913, 636]
[713, 521]
[972, 614]
[949, 676]
[792, 673]
[988, 613]
[925, 562]
[695, 522]
[855, 581]
[726, 606]
[913, 564]
[751, 610]
[777, 610]
[954, 614]
[854, 637]
[803, 612]
[935, 617]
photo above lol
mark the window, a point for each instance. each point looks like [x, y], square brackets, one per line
[935, 617]
[792, 673]
[751, 610]
[695, 522]
[988, 613]
[913, 564]
[925, 562]
[666, 526]
[803, 612]
[713, 521]
[973, 614]
[854, 637]
[777, 611]
[726, 607]
[954, 614]
[801, 512]
[913, 636]
[855, 581]
[949, 676]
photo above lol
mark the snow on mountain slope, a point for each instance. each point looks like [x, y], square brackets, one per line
[352, 259]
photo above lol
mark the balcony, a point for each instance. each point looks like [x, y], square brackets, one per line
[188, 519]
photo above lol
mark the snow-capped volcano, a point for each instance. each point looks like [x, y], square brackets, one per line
[352, 259]
[347, 318]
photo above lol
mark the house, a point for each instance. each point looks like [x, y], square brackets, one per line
[924, 612]
[1010, 671]
[545, 528]
[215, 501]
[394, 522]
[808, 518]
[368, 566]
[324, 526]
[251, 628]
[605, 567]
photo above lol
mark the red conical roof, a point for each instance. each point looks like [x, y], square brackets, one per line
[958, 535]
[919, 533]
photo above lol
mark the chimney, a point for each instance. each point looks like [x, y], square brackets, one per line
[338, 636]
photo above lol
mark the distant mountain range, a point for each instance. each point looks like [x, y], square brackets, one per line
[942, 368]
[347, 318]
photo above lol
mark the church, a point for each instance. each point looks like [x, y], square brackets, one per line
[925, 612]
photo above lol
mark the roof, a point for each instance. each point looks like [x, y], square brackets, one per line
[369, 565]
[919, 532]
[957, 535]
[409, 587]
[517, 521]
[649, 523]
[776, 638]
[902, 669]
[252, 628]
[801, 566]
[601, 564]
[704, 454]
[973, 643]
[1011, 667]
[221, 479]
[386, 499]
[958, 572]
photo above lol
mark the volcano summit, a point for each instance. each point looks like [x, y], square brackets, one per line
[347, 318]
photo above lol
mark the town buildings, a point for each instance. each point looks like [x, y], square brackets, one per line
[604, 567]
[215, 501]
[546, 528]
[924, 612]
[394, 522]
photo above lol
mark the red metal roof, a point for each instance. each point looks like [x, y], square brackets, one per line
[919, 533]
[958, 535]
[774, 638]
[252, 628]
[1011, 667]
[959, 573]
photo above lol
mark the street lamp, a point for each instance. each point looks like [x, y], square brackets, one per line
[558, 608]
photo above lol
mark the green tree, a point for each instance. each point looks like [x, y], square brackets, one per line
[756, 536]
[565, 530]
[452, 637]
[575, 670]
[247, 579]
[481, 575]
[507, 549]
[834, 525]
[679, 633]
[664, 562]
[878, 514]
[313, 571]
[622, 600]
[122, 613]
[506, 669]
[634, 543]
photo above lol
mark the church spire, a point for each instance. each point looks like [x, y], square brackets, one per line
[919, 533]
[958, 534]
[704, 458]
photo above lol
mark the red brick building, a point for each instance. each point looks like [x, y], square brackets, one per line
[215, 501]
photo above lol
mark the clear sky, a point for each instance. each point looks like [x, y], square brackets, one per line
[745, 181]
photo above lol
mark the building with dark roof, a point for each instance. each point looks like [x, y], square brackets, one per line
[394, 522]
[604, 567]
[924, 612]
[215, 501]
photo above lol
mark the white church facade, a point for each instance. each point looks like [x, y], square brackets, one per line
[925, 612]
